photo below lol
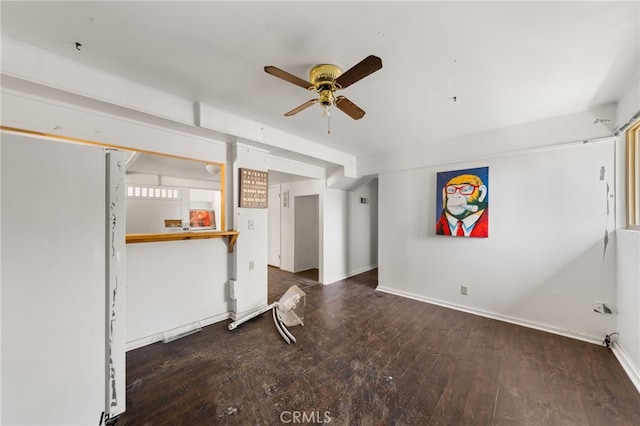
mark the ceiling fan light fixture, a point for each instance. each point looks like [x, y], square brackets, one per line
[326, 99]
[326, 110]
[214, 169]
[324, 75]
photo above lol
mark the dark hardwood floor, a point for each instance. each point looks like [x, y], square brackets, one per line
[369, 358]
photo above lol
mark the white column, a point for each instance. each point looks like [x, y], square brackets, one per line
[249, 259]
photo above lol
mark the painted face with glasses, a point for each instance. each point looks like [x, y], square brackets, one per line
[464, 195]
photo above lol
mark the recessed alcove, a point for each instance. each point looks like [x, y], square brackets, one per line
[170, 198]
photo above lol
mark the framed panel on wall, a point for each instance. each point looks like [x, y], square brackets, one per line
[253, 188]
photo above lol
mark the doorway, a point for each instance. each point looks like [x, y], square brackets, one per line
[306, 231]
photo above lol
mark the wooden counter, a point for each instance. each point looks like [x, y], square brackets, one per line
[231, 236]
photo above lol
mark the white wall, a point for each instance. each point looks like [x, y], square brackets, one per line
[628, 302]
[350, 232]
[545, 261]
[627, 344]
[147, 215]
[174, 286]
[594, 123]
[629, 105]
[336, 235]
[249, 274]
[363, 229]
[53, 282]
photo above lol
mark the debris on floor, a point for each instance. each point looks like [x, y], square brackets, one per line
[287, 312]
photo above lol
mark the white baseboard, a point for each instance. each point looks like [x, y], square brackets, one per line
[361, 270]
[500, 317]
[350, 274]
[238, 315]
[627, 365]
[182, 330]
[629, 368]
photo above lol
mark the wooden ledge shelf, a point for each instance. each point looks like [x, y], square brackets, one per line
[231, 236]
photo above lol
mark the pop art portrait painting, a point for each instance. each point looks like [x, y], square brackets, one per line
[463, 203]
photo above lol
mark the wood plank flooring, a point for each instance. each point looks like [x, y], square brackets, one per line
[370, 358]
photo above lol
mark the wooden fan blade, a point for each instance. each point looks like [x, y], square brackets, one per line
[349, 108]
[367, 66]
[301, 107]
[277, 72]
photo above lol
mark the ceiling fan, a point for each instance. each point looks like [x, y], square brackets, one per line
[326, 79]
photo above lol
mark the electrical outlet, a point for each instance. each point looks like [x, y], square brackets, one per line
[252, 265]
[598, 307]
[463, 290]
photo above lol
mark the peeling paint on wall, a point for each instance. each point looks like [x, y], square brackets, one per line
[603, 171]
[112, 314]
[112, 369]
[115, 372]
[606, 244]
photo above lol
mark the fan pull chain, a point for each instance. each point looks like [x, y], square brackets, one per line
[329, 124]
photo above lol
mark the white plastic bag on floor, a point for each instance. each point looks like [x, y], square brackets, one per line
[291, 307]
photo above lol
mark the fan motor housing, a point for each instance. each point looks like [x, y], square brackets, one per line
[323, 76]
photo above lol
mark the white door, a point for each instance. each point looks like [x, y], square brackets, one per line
[53, 263]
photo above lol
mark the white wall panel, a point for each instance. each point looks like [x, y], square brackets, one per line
[115, 285]
[336, 235]
[628, 302]
[273, 234]
[174, 284]
[363, 229]
[53, 282]
[250, 252]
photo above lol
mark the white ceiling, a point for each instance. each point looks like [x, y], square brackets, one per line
[145, 163]
[138, 162]
[449, 68]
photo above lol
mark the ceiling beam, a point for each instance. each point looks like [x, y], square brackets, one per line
[34, 65]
